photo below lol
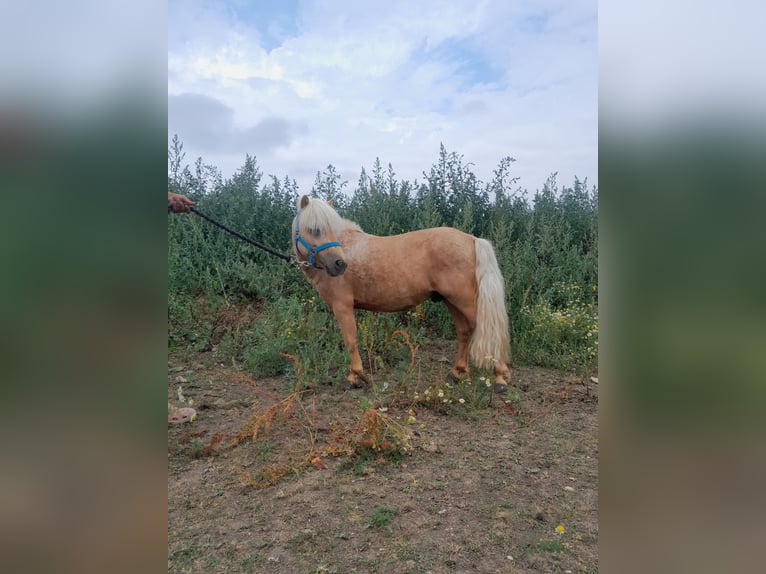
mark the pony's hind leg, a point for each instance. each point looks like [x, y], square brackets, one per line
[464, 331]
[502, 374]
[345, 316]
[465, 327]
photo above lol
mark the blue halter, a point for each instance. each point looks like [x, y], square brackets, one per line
[312, 250]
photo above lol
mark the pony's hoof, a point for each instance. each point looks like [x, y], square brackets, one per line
[500, 389]
[352, 385]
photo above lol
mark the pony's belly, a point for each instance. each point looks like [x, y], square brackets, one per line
[383, 308]
[390, 304]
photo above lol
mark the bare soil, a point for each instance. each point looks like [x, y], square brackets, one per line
[481, 491]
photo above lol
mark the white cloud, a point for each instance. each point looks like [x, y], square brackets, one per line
[393, 80]
[703, 58]
[71, 55]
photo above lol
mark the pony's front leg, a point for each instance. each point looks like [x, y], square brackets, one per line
[345, 316]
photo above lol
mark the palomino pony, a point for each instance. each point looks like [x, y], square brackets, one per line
[354, 270]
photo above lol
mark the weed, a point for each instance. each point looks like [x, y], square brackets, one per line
[381, 517]
[459, 397]
[249, 563]
[562, 327]
[375, 434]
[552, 546]
[361, 463]
[197, 447]
[184, 556]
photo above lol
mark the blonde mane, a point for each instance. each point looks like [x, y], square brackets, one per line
[318, 215]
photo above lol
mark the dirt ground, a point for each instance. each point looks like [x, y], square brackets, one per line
[508, 488]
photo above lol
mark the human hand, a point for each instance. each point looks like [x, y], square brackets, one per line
[178, 203]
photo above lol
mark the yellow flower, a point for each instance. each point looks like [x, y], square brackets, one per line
[411, 419]
[441, 393]
[461, 401]
[560, 528]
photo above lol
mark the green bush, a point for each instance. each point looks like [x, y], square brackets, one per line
[226, 297]
[561, 329]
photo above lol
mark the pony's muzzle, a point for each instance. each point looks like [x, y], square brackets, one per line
[332, 260]
[336, 267]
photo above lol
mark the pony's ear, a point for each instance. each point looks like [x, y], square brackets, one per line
[304, 201]
[330, 202]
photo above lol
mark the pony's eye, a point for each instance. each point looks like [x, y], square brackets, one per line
[314, 231]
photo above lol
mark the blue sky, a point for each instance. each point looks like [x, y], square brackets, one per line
[304, 83]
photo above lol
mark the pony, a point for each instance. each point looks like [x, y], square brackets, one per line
[351, 269]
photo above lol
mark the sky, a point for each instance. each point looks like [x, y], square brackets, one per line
[301, 84]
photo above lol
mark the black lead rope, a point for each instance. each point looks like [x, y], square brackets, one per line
[267, 249]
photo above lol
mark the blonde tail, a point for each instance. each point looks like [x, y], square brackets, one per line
[490, 343]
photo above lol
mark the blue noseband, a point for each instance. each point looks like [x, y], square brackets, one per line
[312, 250]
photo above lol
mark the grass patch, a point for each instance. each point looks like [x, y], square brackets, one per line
[381, 517]
[551, 546]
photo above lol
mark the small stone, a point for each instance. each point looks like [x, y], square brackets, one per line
[430, 446]
[569, 489]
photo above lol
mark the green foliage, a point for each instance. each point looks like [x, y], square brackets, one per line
[561, 328]
[381, 516]
[245, 306]
[460, 397]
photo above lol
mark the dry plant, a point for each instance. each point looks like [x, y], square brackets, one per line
[374, 432]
